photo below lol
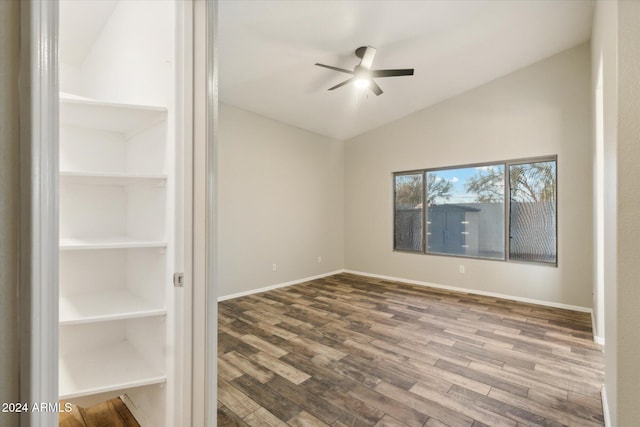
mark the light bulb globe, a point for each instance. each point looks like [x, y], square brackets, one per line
[361, 83]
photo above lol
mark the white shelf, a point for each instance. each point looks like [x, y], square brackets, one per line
[121, 179]
[121, 118]
[113, 367]
[123, 242]
[105, 306]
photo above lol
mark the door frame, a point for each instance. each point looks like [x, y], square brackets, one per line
[39, 173]
[39, 157]
[205, 305]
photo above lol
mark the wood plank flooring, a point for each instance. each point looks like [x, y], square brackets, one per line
[111, 413]
[348, 350]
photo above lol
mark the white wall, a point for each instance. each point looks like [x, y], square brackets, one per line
[280, 201]
[9, 207]
[540, 110]
[626, 409]
[70, 78]
[616, 50]
[132, 60]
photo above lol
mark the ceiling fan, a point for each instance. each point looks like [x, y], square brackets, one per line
[363, 75]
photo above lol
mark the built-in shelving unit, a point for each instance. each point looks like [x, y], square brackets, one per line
[114, 237]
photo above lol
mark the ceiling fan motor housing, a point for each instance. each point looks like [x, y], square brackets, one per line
[360, 51]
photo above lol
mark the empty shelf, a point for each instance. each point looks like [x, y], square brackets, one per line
[104, 306]
[114, 367]
[111, 178]
[108, 243]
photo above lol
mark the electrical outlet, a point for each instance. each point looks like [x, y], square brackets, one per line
[461, 269]
[319, 259]
[274, 267]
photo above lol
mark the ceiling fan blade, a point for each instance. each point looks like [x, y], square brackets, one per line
[342, 70]
[392, 73]
[341, 84]
[367, 58]
[375, 88]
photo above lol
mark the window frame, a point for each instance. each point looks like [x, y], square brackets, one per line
[393, 225]
[506, 212]
[542, 159]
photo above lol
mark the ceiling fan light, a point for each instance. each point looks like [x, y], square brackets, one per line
[362, 83]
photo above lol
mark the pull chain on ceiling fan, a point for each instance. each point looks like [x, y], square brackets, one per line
[363, 75]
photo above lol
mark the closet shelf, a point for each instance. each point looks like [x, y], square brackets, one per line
[120, 179]
[114, 367]
[122, 242]
[105, 306]
[121, 118]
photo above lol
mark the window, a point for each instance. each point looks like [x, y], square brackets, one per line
[464, 211]
[532, 212]
[409, 193]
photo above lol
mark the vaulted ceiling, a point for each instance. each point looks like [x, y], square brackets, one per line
[267, 50]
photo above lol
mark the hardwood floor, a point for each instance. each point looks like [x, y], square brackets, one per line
[353, 351]
[111, 413]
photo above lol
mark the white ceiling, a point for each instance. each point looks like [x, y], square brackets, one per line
[267, 50]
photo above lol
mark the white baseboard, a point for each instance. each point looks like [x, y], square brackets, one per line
[412, 282]
[596, 338]
[277, 286]
[475, 292]
[605, 407]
